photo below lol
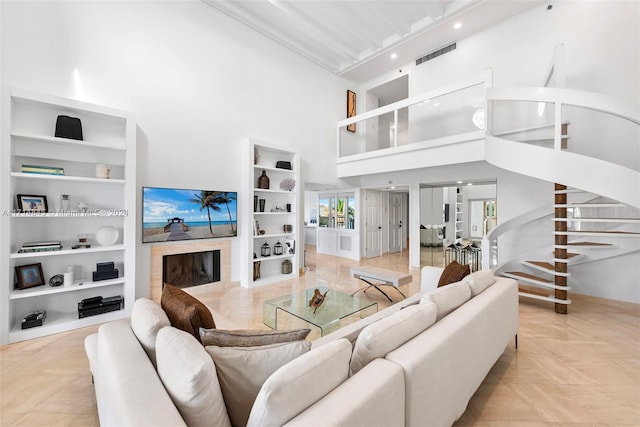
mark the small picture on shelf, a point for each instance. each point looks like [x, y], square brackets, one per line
[32, 203]
[29, 276]
[289, 246]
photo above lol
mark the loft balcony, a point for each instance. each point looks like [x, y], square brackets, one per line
[440, 127]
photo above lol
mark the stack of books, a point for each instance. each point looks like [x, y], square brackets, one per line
[45, 170]
[40, 247]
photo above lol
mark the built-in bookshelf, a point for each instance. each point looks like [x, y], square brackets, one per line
[94, 201]
[272, 218]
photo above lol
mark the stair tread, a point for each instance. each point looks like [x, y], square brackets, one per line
[543, 264]
[533, 290]
[528, 276]
[588, 244]
[608, 232]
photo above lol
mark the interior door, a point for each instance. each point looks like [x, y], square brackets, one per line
[395, 222]
[373, 224]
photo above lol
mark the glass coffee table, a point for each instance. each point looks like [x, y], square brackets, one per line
[336, 306]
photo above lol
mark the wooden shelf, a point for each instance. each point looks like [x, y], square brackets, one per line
[81, 179]
[62, 252]
[65, 141]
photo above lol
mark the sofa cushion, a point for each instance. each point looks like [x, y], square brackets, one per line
[448, 298]
[379, 338]
[479, 281]
[147, 318]
[300, 383]
[249, 338]
[185, 312]
[189, 376]
[454, 272]
[243, 370]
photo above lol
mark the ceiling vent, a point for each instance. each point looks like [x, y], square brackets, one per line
[435, 53]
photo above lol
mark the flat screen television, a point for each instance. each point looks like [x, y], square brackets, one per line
[182, 214]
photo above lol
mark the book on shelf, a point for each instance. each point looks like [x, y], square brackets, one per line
[45, 170]
[40, 247]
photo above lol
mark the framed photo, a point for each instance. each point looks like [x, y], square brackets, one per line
[29, 276]
[351, 109]
[32, 203]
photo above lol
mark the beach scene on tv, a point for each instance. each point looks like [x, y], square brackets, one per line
[181, 214]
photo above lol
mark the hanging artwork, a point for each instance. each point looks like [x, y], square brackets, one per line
[351, 109]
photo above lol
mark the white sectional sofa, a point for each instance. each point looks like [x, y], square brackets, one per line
[385, 369]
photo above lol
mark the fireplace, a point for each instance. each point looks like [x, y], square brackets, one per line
[159, 251]
[191, 269]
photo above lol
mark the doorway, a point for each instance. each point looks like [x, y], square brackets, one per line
[386, 218]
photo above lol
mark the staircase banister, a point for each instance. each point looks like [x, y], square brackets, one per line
[579, 98]
[520, 220]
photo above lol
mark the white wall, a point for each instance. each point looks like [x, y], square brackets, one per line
[198, 81]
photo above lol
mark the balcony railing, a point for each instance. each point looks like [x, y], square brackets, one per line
[445, 115]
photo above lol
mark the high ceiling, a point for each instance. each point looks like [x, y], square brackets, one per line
[356, 38]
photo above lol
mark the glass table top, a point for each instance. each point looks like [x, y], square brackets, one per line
[336, 306]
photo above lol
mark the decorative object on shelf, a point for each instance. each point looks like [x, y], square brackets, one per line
[64, 202]
[262, 203]
[287, 267]
[288, 184]
[83, 207]
[277, 248]
[69, 127]
[351, 109]
[317, 299]
[33, 319]
[290, 246]
[29, 276]
[263, 181]
[256, 270]
[255, 203]
[68, 276]
[103, 171]
[107, 235]
[256, 156]
[265, 250]
[32, 203]
[287, 228]
[105, 271]
[282, 164]
[56, 280]
[43, 170]
[288, 207]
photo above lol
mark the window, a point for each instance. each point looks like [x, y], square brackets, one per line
[337, 210]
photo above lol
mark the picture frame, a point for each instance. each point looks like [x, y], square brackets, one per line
[32, 203]
[29, 276]
[351, 109]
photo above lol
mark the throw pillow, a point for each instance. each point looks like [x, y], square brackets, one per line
[301, 383]
[189, 376]
[385, 335]
[147, 318]
[249, 338]
[454, 272]
[448, 298]
[243, 370]
[479, 281]
[185, 312]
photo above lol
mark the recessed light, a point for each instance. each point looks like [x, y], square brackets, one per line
[458, 182]
[457, 25]
[394, 55]
[470, 183]
[436, 104]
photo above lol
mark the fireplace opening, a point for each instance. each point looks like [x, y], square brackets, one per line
[191, 269]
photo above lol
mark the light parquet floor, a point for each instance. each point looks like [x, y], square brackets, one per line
[582, 369]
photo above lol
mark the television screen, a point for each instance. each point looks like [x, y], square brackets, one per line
[180, 214]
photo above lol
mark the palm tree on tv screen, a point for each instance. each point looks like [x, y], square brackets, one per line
[206, 200]
[224, 197]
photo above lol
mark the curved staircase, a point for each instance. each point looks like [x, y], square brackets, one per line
[596, 209]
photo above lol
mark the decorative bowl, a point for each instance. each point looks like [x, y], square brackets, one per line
[107, 235]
